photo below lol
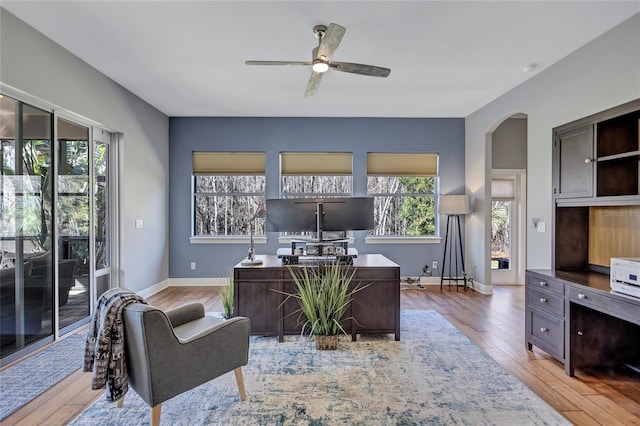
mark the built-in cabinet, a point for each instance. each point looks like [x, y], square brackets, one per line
[598, 156]
[570, 312]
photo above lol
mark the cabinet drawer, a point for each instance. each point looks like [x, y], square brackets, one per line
[605, 303]
[545, 283]
[547, 332]
[545, 301]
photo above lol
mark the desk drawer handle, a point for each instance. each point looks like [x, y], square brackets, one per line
[543, 300]
[543, 284]
[543, 329]
[582, 296]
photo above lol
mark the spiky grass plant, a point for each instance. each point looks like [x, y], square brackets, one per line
[324, 296]
[226, 295]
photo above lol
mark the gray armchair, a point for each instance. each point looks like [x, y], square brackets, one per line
[170, 353]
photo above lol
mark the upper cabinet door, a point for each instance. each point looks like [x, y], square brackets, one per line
[573, 163]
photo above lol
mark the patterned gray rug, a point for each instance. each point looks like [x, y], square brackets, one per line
[434, 376]
[26, 380]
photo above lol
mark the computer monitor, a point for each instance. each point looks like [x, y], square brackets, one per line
[319, 214]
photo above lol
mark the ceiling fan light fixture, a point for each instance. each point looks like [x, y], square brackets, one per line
[320, 66]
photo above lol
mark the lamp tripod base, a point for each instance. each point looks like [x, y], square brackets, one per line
[251, 262]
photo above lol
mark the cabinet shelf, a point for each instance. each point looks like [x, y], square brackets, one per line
[631, 154]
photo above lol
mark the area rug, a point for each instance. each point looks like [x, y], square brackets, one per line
[27, 379]
[434, 376]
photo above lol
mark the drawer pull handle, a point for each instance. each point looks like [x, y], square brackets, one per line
[582, 296]
[543, 300]
[579, 333]
[543, 329]
[543, 284]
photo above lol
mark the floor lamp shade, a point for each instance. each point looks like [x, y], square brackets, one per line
[454, 204]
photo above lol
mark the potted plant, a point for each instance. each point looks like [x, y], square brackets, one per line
[323, 293]
[226, 295]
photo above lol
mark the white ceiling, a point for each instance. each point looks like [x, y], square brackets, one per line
[447, 59]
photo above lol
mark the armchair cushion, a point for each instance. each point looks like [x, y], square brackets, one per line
[185, 313]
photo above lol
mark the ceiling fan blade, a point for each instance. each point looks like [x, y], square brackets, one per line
[330, 41]
[314, 83]
[370, 70]
[277, 63]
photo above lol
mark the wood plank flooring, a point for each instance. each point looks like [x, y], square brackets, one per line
[495, 323]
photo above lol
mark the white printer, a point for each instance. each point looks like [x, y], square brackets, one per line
[625, 275]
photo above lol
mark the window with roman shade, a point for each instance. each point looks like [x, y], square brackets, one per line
[228, 187]
[404, 187]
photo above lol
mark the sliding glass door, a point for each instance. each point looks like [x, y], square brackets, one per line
[56, 224]
[26, 226]
[73, 219]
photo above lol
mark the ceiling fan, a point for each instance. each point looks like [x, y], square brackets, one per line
[328, 40]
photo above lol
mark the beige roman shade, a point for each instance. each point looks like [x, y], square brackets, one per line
[228, 163]
[502, 189]
[315, 163]
[402, 164]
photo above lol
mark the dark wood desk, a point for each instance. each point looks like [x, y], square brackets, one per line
[375, 309]
[576, 318]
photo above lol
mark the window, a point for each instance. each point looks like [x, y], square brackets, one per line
[315, 175]
[404, 188]
[228, 188]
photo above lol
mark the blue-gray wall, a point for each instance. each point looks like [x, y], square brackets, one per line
[274, 135]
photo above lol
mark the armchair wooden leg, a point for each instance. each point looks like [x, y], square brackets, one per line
[120, 402]
[240, 382]
[155, 415]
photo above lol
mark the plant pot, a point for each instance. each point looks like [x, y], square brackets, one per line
[327, 343]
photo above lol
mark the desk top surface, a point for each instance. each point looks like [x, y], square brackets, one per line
[361, 261]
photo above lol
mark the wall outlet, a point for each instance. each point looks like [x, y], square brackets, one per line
[540, 227]
[434, 265]
[139, 223]
[193, 265]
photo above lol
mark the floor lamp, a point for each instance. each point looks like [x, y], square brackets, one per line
[453, 206]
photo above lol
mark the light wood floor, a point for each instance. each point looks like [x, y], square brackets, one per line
[495, 323]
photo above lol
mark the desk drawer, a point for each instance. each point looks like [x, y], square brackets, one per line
[605, 303]
[545, 283]
[545, 301]
[547, 332]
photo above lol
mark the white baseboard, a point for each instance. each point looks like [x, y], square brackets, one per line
[482, 288]
[150, 291]
[198, 282]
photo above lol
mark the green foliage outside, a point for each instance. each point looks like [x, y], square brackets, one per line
[418, 212]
